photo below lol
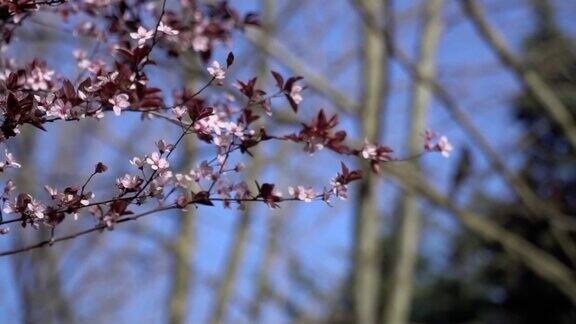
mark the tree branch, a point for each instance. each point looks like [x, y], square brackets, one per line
[535, 85]
[537, 260]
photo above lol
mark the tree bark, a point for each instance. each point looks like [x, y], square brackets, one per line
[397, 310]
[366, 273]
[182, 254]
[183, 246]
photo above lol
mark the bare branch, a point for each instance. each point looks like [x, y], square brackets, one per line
[535, 85]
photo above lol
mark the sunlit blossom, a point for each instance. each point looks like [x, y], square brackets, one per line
[216, 71]
[142, 35]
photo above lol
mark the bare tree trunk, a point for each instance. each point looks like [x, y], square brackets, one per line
[21, 262]
[37, 273]
[263, 274]
[61, 308]
[275, 220]
[182, 253]
[397, 309]
[237, 248]
[183, 247]
[366, 276]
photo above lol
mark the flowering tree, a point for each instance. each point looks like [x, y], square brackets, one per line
[114, 110]
[120, 83]
[33, 95]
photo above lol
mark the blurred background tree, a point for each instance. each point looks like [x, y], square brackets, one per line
[485, 284]
[390, 254]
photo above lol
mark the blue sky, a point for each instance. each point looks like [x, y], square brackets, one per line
[318, 236]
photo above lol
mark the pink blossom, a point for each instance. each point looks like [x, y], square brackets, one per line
[295, 94]
[242, 190]
[369, 151]
[36, 208]
[444, 146]
[60, 109]
[39, 77]
[9, 207]
[376, 152]
[142, 35]
[103, 80]
[158, 184]
[200, 42]
[235, 129]
[216, 71]
[206, 171]
[53, 192]
[167, 29]
[85, 202]
[137, 162]
[179, 111]
[223, 140]
[195, 175]
[428, 137]
[164, 177]
[301, 193]
[182, 180]
[164, 147]
[8, 188]
[157, 162]
[128, 182]
[119, 102]
[210, 124]
[82, 59]
[223, 188]
[340, 190]
[9, 161]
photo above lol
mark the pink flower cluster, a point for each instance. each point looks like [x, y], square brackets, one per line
[118, 83]
[442, 145]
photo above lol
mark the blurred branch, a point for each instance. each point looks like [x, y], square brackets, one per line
[535, 85]
[537, 260]
[264, 270]
[278, 51]
[274, 222]
[96, 228]
[224, 293]
[537, 88]
[22, 263]
[397, 309]
[184, 244]
[182, 251]
[366, 272]
[536, 206]
[237, 248]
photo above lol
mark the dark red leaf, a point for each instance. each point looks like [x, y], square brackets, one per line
[229, 60]
[202, 198]
[279, 79]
